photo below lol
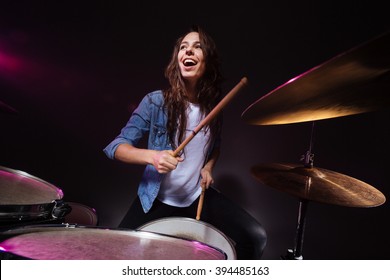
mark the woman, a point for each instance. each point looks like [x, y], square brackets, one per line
[171, 184]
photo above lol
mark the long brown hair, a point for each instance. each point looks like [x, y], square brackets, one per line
[208, 88]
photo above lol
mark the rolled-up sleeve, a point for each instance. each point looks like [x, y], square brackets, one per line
[134, 130]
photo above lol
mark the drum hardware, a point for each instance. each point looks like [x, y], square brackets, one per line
[53, 212]
[26, 199]
[60, 209]
[213, 113]
[309, 183]
[358, 81]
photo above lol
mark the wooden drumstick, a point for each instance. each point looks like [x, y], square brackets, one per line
[200, 203]
[212, 114]
[232, 93]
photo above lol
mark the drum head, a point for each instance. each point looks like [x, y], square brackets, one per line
[192, 229]
[20, 188]
[25, 197]
[65, 242]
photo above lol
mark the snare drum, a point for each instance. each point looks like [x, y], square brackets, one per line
[25, 198]
[73, 242]
[193, 230]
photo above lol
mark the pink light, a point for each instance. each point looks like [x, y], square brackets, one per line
[37, 75]
[9, 63]
[292, 80]
[3, 249]
[25, 73]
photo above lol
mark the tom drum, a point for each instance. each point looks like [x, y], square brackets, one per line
[81, 214]
[73, 242]
[192, 229]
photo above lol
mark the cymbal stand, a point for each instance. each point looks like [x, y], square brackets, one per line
[296, 253]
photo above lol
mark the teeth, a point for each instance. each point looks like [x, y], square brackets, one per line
[189, 61]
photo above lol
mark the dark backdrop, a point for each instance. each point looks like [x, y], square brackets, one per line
[74, 71]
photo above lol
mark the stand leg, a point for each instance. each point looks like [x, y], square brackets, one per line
[296, 253]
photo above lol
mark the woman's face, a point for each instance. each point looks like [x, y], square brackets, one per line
[190, 57]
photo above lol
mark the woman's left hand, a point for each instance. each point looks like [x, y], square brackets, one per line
[207, 178]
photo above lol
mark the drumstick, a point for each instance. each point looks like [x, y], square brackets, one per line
[212, 114]
[200, 203]
[204, 122]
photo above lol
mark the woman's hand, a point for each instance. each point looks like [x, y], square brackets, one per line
[165, 161]
[207, 178]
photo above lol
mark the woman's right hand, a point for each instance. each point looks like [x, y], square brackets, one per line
[165, 161]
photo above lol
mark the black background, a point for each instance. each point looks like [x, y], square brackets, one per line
[75, 70]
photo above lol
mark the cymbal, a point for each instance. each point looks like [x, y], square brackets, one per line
[357, 81]
[318, 184]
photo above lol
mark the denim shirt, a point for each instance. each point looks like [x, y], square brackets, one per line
[150, 118]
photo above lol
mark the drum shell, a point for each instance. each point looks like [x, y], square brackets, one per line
[193, 230]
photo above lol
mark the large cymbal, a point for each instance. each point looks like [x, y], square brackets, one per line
[317, 184]
[357, 81]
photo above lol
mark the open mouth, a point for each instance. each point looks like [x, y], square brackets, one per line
[189, 62]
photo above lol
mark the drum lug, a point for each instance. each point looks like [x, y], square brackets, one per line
[67, 225]
[60, 209]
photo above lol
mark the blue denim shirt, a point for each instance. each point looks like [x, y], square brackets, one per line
[148, 118]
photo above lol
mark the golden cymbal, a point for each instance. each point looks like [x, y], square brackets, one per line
[357, 81]
[318, 184]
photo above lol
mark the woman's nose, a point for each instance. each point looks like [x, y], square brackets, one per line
[189, 50]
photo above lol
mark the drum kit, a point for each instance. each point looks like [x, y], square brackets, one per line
[36, 223]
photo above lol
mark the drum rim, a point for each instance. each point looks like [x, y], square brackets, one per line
[228, 240]
[186, 219]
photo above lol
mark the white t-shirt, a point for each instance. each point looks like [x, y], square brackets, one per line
[181, 186]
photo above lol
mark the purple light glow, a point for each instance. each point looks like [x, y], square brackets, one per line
[20, 71]
[201, 246]
[9, 63]
[39, 77]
